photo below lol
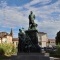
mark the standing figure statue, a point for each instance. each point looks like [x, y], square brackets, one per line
[32, 24]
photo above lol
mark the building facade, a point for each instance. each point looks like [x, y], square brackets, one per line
[6, 37]
[15, 41]
[52, 42]
[42, 39]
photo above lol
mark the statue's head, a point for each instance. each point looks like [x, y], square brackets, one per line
[20, 30]
[31, 12]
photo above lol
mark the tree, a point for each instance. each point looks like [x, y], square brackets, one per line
[58, 38]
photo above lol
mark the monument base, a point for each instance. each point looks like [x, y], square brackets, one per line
[30, 56]
[33, 36]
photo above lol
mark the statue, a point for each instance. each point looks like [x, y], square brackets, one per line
[32, 24]
[22, 34]
[22, 38]
[28, 40]
[25, 44]
[24, 41]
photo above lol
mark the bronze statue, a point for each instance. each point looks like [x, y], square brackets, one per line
[32, 24]
[28, 40]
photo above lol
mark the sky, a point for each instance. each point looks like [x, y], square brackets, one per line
[14, 14]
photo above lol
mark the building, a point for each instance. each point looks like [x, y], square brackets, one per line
[6, 37]
[15, 41]
[52, 42]
[42, 39]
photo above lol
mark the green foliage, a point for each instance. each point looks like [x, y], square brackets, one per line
[57, 52]
[58, 49]
[1, 52]
[8, 49]
[58, 38]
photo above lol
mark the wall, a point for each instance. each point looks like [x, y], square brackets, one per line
[0, 40]
[52, 42]
[15, 43]
[3, 40]
[9, 39]
[42, 39]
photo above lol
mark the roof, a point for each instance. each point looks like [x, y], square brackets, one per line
[15, 39]
[42, 33]
[3, 34]
[51, 40]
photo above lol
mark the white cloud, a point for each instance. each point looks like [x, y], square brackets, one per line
[11, 17]
[48, 24]
[16, 17]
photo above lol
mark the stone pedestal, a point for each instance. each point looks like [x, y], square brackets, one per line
[30, 56]
[28, 42]
[33, 36]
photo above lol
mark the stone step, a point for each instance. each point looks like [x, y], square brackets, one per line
[30, 56]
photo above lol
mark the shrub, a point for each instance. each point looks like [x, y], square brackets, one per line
[7, 48]
[57, 52]
[1, 52]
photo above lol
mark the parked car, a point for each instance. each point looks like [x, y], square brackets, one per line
[42, 50]
[50, 49]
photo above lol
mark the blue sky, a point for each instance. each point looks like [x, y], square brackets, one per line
[14, 14]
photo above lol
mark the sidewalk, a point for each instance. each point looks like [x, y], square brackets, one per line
[54, 58]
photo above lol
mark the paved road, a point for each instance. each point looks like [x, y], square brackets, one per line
[31, 57]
